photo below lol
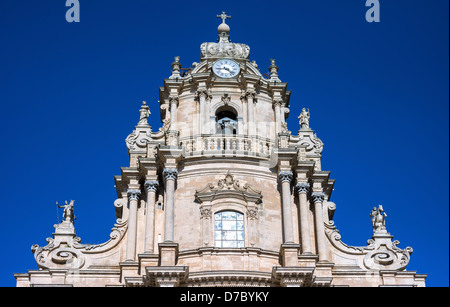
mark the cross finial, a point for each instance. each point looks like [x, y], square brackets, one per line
[224, 16]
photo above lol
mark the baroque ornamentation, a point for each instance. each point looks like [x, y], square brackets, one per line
[302, 187]
[170, 174]
[318, 197]
[151, 185]
[133, 194]
[228, 187]
[285, 176]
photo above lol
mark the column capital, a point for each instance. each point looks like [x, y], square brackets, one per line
[318, 197]
[285, 176]
[302, 187]
[170, 174]
[151, 185]
[133, 194]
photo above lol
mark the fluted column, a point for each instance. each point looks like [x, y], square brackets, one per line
[318, 198]
[302, 190]
[133, 198]
[285, 178]
[151, 186]
[170, 176]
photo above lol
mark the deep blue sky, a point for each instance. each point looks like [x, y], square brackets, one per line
[378, 96]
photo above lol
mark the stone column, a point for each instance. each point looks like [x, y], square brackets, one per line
[200, 97]
[173, 101]
[251, 100]
[133, 198]
[302, 190]
[285, 178]
[277, 109]
[151, 186]
[318, 198]
[170, 176]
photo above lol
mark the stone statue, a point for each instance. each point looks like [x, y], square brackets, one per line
[304, 119]
[378, 219]
[145, 112]
[68, 214]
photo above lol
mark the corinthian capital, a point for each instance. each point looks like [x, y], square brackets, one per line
[285, 176]
[318, 197]
[173, 99]
[151, 185]
[302, 187]
[170, 174]
[133, 194]
[203, 92]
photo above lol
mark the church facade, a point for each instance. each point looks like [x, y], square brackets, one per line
[223, 194]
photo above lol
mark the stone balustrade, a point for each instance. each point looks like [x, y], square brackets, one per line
[249, 145]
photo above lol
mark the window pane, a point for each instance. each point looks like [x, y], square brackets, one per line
[240, 235]
[217, 225]
[229, 229]
[229, 225]
[229, 235]
[240, 225]
[217, 235]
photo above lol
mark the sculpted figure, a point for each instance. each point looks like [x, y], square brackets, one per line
[145, 112]
[378, 219]
[68, 214]
[304, 119]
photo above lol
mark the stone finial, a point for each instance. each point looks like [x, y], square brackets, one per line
[176, 68]
[273, 69]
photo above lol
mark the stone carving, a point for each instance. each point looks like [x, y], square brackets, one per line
[151, 185]
[381, 252]
[285, 176]
[378, 219]
[144, 112]
[273, 68]
[302, 187]
[170, 174]
[224, 48]
[142, 134]
[133, 194]
[318, 197]
[176, 67]
[228, 187]
[304, 119]
[68, 214]
[226, 99]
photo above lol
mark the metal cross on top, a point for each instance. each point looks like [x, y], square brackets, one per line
[224, 16]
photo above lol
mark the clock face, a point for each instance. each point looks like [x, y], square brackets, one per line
[226, 68]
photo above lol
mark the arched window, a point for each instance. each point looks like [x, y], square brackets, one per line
[226, 122]
[228, 229]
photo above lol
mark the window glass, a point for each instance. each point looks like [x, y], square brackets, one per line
[229, 229]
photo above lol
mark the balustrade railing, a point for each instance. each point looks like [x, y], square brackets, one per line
[252, 145]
